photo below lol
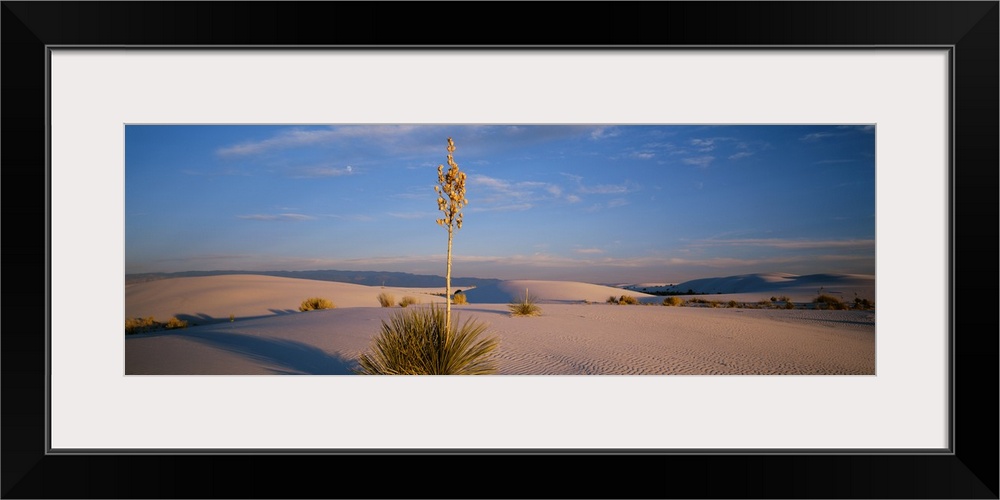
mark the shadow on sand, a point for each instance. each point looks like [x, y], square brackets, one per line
[285, 357]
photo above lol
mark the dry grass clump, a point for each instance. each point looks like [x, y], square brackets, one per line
[143, 325]
[419, 342]
[313, 303]
[386, 299]
[459, 298]
[628, 300]
[829, 302]
[525, 305]
[673, 301]
[140, 325]
[863, 304]
[406, 301]
[175, 323]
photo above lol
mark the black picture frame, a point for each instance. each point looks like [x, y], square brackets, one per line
[969, 28]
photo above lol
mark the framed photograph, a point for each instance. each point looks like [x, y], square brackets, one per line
[915, 83]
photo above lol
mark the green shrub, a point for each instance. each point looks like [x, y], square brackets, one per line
[417, 342]
[386, 300]
[408, 301]
[524, 305]
[628, 299]
[315, 303]
[673, 301]
[175, 323]
[459, 298]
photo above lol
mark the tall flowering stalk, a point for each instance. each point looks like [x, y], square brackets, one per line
[451, 199]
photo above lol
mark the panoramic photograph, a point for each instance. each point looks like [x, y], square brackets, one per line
[500, 249]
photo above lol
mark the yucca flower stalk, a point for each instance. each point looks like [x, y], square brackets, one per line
[451, 199]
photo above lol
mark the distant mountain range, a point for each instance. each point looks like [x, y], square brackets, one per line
[370, 278]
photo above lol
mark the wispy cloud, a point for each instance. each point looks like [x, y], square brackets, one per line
[276, 217]
[816, 136]
[699, 161]
[604, 133]
[792, 244]
[740, 155]
[322, 171]
[589, 251]
[310, 137]
[413, 215]
[828, 162]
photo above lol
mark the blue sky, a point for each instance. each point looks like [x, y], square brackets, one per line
[595, 203]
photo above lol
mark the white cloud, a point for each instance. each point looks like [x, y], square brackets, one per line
[740, 155]
[276, 217]
[699, 161]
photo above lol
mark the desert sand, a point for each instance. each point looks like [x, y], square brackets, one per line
[577, 333]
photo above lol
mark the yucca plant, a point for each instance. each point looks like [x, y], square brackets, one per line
[451, 199]
[408, 301]
[418, 341]
[525, 305]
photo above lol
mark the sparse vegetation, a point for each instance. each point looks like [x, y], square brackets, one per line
[387, 300]
[863, 304]
[673, 301]
[408, 300]
[628, 300]
[459, 298]
[525, 305]
[732, 304]
[175, 323]
[416, 342]
[829, 302]
[612, 300]
[148, 324]
[314, 303]
[140, 325]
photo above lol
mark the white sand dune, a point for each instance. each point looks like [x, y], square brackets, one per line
[210, 298]
[550, 292]
[801, 288]
[569, 338]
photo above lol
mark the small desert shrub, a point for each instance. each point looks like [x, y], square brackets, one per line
[459, 298]
[414, 342]
[732, 304]
[387, 300]
[140, 325]
[714, 304]
[673, 301]
[829, 302]
[789, 305]
[315, 303]
[407, 301]
[628, 299]
[524, 305]
[175, 323]
[612, 300]
[863, 304]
